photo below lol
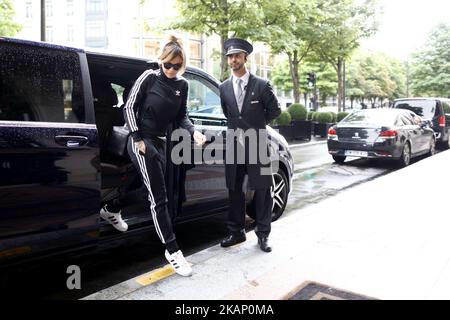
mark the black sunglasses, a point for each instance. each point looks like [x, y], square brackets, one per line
[176, 66]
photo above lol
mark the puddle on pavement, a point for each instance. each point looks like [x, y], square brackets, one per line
[313, 185]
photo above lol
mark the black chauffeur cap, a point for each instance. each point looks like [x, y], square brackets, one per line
[236, 45]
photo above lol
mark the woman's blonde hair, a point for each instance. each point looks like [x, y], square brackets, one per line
[172, 49]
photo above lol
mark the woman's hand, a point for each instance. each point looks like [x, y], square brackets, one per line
[199, 138]
[141, 146]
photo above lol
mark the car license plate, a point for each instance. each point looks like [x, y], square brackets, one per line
[353, 153]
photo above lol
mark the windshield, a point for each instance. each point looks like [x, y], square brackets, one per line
[371, 117]
[424, 108]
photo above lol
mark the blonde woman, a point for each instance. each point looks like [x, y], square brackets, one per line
[161, 97]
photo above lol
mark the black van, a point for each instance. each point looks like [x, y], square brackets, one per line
[59, 107]
[437, 110]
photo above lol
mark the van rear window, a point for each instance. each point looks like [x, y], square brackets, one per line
[424, 108]
[40, 84]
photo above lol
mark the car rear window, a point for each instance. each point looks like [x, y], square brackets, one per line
[371, 117]
[424, 108]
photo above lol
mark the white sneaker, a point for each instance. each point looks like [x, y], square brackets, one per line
[179, 263]
[114, 218]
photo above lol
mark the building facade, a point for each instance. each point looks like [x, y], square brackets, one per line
[133, 27]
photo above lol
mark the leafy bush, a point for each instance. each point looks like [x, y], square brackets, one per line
[341, 115]
[314, 116]
[297, 111]
[333, 116]
[310, 115]
[284, 119]
[324, 117]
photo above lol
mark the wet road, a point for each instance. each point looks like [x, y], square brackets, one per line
[316, 178]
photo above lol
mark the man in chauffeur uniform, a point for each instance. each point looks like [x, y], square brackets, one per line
[249, 103]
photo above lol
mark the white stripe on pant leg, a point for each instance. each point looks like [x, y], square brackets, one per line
[143, 167]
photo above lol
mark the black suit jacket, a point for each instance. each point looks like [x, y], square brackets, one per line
[260, 107]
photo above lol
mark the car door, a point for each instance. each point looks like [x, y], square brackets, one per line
[49, 167]
[416, 134]
[205, 182]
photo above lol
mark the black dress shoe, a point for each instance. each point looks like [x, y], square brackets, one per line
[233, 239]
[264, 244]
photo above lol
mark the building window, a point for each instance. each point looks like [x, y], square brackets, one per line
[70, 33]
[151, 48]
[195, 53]
[29, 10]
[49, 33]
[95, 7]
[95, 30]
[69, 8]
[48, 8]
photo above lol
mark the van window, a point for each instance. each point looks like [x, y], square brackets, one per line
[40, 84]
[424, 108]
[203, 97]
[446, 106]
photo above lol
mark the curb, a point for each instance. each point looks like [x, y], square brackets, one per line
[308, 144]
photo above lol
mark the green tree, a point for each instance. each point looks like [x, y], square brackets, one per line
[225, 18]
[288, 27]
[430, 69]
[326, 78]
[8, 27]
[346, 23]
[375, 76]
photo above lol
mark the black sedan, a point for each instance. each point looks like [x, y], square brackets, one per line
[382, 134]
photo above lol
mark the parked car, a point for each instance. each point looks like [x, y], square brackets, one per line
[58, 109]
[437, 110]
[381, 134]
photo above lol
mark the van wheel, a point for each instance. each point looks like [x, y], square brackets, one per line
[339, 159]
[280, 197]
[405, 158]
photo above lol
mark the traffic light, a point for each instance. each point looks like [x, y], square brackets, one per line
[311, 79]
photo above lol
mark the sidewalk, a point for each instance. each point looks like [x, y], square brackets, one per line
[385, 239]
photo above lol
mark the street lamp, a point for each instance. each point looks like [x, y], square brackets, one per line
[42, 20]
[312, 79]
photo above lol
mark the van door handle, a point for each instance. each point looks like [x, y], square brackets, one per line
[71, 141]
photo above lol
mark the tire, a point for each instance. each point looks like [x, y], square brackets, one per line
[280, 197]
[432, 148]
[339, 159]
[405, 158]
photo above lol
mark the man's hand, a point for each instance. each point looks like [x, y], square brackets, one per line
[199, 138]
[141, 146]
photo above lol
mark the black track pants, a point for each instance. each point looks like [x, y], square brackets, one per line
[151, 167]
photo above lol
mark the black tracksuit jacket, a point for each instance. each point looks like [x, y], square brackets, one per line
[155, 102]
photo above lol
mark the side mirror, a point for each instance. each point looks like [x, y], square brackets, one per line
[426, 123]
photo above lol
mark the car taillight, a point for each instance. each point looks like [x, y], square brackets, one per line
[442, 121]
[388, 134]
[332, 134]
